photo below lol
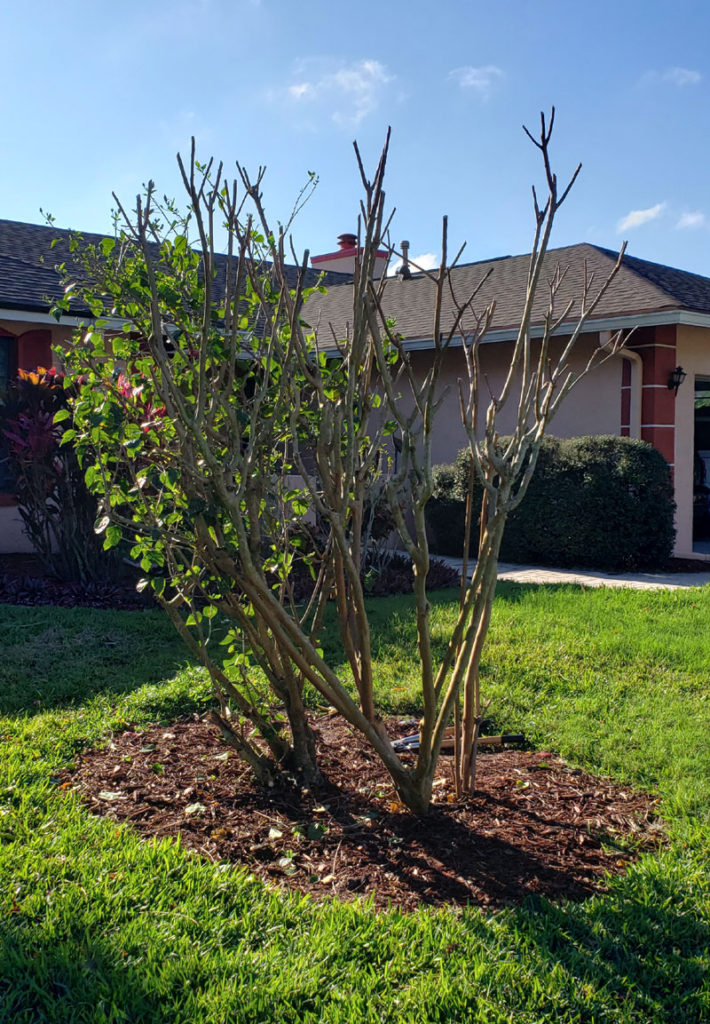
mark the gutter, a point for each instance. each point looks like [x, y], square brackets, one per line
[25, 316]
[689, 317]
[636, 390]
[636, 382]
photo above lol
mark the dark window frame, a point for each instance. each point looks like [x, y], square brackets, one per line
[8, 341]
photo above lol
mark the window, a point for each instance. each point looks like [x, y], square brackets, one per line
[8, 369]
[7, 365]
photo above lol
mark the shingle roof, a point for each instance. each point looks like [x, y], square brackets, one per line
[640, 287]
[28, 280]
[690, 291]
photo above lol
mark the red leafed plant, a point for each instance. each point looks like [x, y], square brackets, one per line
[31, 438]
[151, 415]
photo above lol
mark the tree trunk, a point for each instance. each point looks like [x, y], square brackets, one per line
[415, 794]
[303, 761]
[471, 722]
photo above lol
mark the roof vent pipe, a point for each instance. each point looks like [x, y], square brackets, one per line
[405, 271]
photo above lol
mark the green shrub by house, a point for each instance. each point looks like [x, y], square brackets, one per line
[604, 502]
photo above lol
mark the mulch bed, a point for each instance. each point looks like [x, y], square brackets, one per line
[535, 825]
[686, 565]
[25, 580]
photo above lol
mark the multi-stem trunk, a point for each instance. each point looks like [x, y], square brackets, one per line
[303, 750]
[492, 535]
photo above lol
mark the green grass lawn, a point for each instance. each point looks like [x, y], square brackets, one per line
[97, 925]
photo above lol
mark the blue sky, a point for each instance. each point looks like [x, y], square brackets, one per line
[99, 96]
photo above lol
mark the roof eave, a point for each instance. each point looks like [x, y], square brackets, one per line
[688, 317]
[26, 314]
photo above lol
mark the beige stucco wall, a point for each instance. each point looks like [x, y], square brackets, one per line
[593, 406]
[693, 354]
[12, 538]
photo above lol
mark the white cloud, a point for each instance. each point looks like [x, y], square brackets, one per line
[696, 219]
[635, 218]
[481, 80]
[346, 94]
[673, 76]
[681, 76]
[425, 261]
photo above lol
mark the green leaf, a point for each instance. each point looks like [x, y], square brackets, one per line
[113, 537]
[92, 476]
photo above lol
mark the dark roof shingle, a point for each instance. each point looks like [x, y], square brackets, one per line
[639, 288]
[29, 254]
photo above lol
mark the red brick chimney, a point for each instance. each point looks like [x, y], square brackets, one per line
[344, 259]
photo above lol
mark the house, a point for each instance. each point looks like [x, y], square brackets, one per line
[30, 336]
[630, 394]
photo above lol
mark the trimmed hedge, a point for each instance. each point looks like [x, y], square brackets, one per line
[599, 502]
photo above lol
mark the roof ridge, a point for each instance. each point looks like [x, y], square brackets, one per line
[50, 227]
[63, 235]
[526, 255]
[637, 265]
[650, 263]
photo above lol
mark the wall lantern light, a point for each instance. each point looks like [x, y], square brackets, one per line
[676, 378]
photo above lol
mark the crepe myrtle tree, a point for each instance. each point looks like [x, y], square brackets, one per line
[240, 450]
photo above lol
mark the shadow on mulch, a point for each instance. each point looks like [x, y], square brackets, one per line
[535, 826]
[26, 581]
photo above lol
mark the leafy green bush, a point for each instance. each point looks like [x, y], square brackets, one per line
[604, 502]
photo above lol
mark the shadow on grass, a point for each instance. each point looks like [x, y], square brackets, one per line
[645, 952]
[619, 959]
[43, 980]
[57, 657]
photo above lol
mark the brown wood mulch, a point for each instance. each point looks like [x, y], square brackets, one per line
[534, 826]
[27, 580]
[686, 565]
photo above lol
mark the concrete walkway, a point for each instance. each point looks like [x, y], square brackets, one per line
[590, 578]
